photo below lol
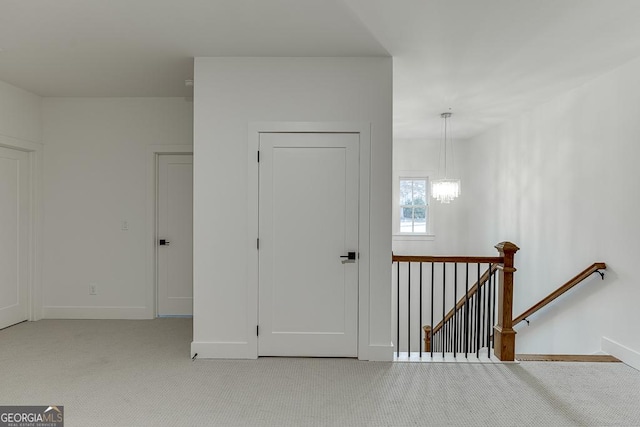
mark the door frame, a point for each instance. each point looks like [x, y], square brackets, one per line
[253, 218]
[34, 150]
[153, 157]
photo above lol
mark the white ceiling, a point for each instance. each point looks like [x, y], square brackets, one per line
[484, 59]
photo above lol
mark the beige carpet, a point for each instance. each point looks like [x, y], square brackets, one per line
[138, 373]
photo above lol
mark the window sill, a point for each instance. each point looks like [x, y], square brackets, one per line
[413, 237]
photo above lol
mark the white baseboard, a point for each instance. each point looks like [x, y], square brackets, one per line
[244, 350]
[628, 356]
[223, 350]
[378, 353]
[74, 312]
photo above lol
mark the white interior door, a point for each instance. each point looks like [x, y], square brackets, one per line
[175, 235]
[308, 209]
[14, 236]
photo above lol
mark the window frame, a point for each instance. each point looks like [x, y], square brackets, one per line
[413, 206]
[400, 176]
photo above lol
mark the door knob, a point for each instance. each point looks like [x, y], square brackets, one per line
[350, 255]
[164, 242]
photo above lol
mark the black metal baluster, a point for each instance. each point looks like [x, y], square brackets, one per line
[420, 325]
[432, 325]
[448, 341]
[460, 329]
[493, 305]
[456, 332]
[475, 322]
[409, 310]
[488, 313]
[484, 312]
[444, 293]
[478, 301]
[452, 330]
[448, 337]
[466, 312]
[458, 335]
[445, 339]
[472, 318]
[455, 303]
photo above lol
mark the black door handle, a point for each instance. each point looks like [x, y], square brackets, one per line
[350, 255]
[163, 242]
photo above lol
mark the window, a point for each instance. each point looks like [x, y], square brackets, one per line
[414, 210]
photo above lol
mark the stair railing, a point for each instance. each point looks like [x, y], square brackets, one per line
[485, 280]
[486, 317]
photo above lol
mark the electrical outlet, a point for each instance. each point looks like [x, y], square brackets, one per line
[93, 289]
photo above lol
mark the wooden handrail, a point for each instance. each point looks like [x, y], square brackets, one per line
[458, 259]
[472, 291]
[593, 268]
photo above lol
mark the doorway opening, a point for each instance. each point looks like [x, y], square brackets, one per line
[170, 232]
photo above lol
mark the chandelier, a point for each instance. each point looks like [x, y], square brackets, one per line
[446, 189]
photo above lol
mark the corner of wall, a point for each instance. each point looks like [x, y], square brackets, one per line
[625, 354]
[379, 353]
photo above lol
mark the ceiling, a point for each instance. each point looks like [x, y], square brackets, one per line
[485, 59]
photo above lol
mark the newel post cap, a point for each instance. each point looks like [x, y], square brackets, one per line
[507, 247]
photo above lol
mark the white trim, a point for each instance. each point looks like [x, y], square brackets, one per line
[364, 130]
[153, 151]
[379, 353]
[253, 219]
[627, 355]
[397, 175]
[400, 237]
[34, 149]
[364, 272]
[95, 312]
[223, 350]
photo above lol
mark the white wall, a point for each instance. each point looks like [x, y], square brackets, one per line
[420, 157]
[20, 114]
[561, 181]
[95, 176]
[230, 93]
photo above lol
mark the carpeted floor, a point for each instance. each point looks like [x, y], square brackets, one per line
[138, 373]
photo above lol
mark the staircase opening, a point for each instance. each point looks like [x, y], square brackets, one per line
[459, 308]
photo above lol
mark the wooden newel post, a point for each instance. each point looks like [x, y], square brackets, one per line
[503, 334]
[427, 338]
